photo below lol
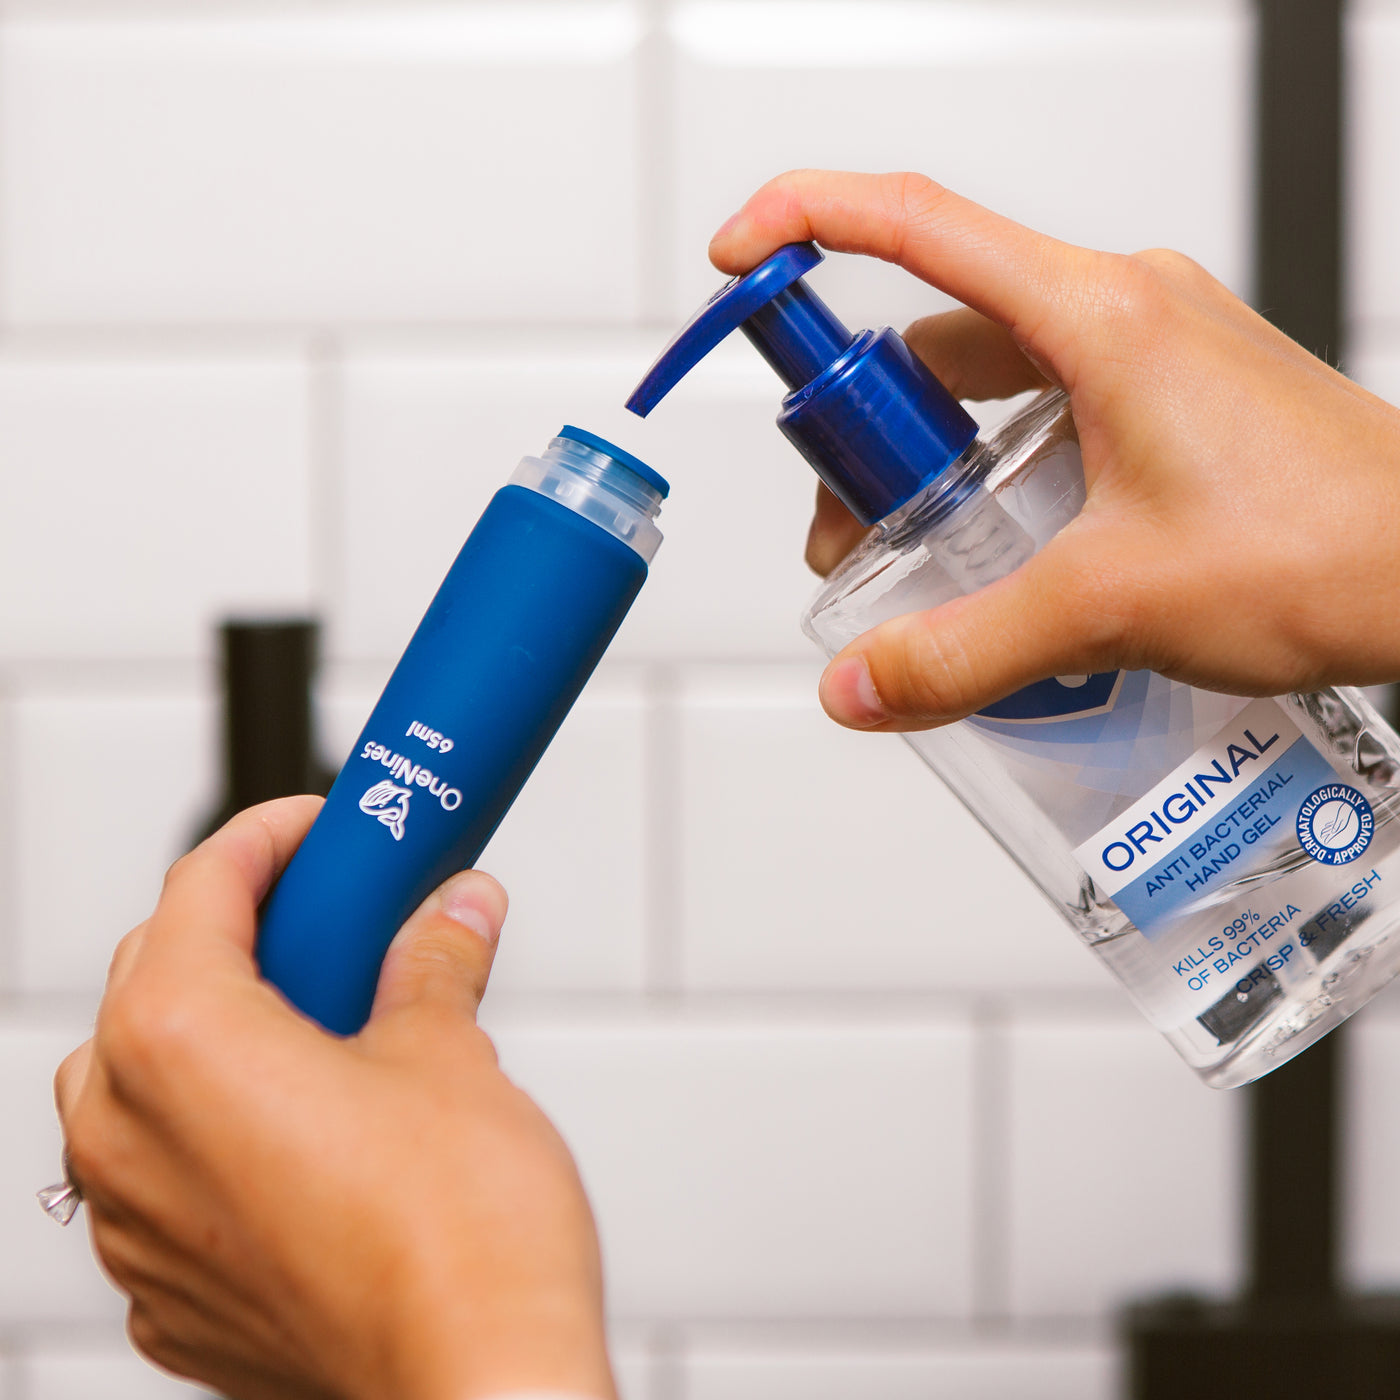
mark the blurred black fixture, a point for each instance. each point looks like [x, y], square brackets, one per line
[268, 744]
[1295, 1334]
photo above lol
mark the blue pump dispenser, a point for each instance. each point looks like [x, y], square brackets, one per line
[863, 410]
[520, 622]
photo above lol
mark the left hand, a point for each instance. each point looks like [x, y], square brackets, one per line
[298, 1215]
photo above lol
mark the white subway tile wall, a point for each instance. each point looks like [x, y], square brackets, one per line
[112, 1372]
[1374, 213]
[322, 166]
[48, 1279]
[286, 291]
[151, 756]
[146, 494]
[879, 879]
[1372, 1225]
[715, 1151]
[1098, 1103]
[1143, 120]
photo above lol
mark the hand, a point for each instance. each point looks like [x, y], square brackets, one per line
[297, 1215]
[1243, 512]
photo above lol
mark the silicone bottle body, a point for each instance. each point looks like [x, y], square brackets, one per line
[516, 629]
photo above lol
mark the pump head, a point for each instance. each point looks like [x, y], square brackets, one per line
[863, 410]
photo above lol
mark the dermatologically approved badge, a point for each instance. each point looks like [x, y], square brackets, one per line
[1335, 824]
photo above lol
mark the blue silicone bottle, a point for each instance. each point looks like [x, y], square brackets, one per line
[521, 620]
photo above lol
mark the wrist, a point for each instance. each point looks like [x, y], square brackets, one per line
[499, 1352]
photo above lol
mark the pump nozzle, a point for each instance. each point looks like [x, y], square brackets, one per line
[731, 308]
[868, 416]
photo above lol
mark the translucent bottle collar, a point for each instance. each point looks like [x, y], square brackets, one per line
[602, 483]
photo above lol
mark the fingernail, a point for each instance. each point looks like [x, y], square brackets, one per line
[468, 900]
[848, 694]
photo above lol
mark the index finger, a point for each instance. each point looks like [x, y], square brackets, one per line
[211, 896]
[69, 1079]
[1021, 279]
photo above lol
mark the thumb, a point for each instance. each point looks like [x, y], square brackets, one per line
[1048, 618]
[441, 958]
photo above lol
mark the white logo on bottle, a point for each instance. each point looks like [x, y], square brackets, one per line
[388, 804]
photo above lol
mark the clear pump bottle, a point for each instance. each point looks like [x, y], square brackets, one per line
[1234, 862]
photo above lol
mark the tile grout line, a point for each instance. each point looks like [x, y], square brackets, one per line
[661, 835]
[16, 1374]
[9, 910]
[6, 19]
[326, 480]
[487, 335]
[670, 1338]
[991, 1145]
[654, 147]
[900, 1333]
[666, 1369]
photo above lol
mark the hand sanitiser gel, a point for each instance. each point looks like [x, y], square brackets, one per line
[521, 620]
[1234, 862]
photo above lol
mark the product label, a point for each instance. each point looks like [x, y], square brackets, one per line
[1335, 824]
[1254, 788]
[388, 800]
[388, 804]
[1250, 864]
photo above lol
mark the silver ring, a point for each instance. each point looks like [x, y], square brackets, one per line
[61, 1201]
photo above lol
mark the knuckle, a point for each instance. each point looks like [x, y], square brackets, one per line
[928, 671]
[141, 1029]
[124, 954]
[1146, 288]
[1171, 265]
[176, 868]
[784, 193]
[65, 1080]
[127, 945]
[1109, 614]
[86, 1160]
[1124, 308]
[114, 1252]
[916, 193]
[914, 200]
[789, 179]
[149, 1336]
[1131, 292]
[127, 942]
[123, 1031]
[486, 1048]
[925, 328]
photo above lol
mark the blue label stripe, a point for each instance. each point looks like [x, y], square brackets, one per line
[1053, 699]
[1236, 840]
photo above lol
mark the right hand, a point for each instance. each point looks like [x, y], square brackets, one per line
[1242, 526]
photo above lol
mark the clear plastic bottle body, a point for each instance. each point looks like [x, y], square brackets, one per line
[1241, 947]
